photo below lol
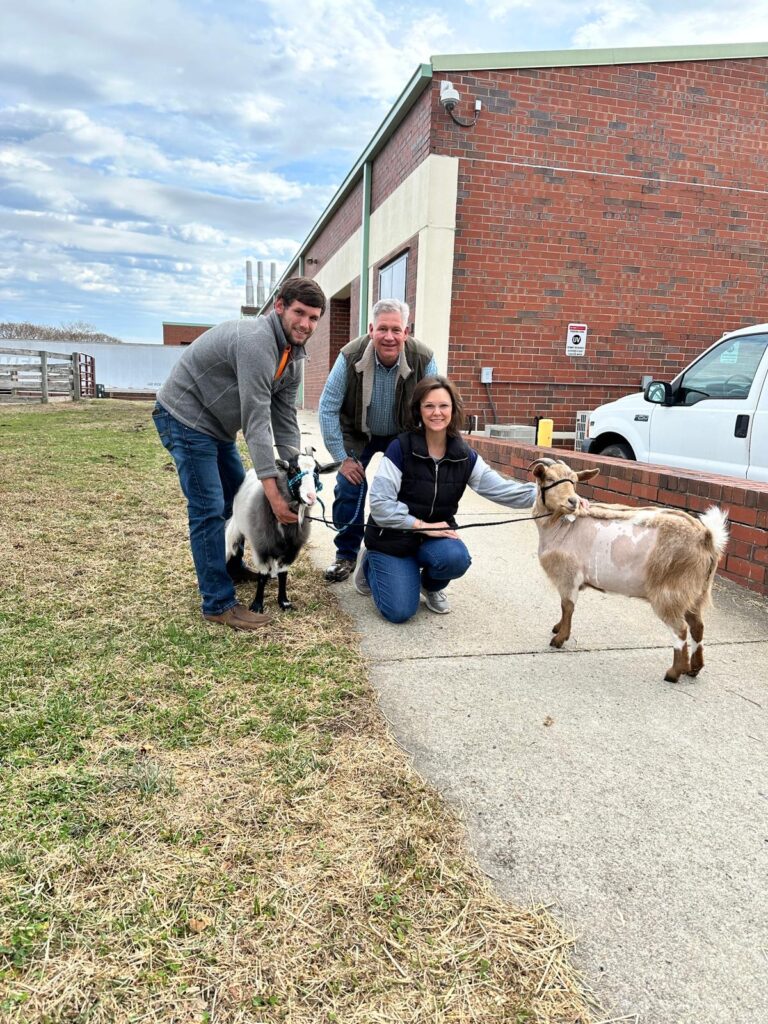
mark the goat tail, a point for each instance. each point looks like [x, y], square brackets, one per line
[716, 522]
[232, 537]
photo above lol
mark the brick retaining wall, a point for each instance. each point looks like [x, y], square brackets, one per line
[630, 483]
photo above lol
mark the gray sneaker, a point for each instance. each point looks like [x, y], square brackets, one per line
[361, 583]
[436, 601]
[341, 569]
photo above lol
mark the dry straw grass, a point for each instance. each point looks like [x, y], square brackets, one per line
[205, 826]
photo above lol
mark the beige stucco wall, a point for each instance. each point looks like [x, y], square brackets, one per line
[424, 205]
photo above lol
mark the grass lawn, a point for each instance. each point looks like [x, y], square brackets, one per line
[201, 825]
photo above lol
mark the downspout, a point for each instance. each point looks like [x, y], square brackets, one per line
[365, 232]
[300, 395]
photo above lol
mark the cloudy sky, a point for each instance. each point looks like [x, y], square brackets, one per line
[148, 147]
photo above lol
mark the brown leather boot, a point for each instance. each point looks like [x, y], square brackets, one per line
[240, 617]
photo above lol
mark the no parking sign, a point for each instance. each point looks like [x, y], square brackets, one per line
[576, 340]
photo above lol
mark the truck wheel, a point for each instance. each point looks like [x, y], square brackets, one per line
[618, 450]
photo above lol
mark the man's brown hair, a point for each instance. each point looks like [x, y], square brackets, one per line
[420, 392]
[304, 290]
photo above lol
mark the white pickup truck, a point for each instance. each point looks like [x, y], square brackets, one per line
[712, 417]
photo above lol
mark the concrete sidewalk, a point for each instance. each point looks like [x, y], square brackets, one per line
[636, 809]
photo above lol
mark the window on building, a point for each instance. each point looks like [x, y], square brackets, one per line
[392, 279]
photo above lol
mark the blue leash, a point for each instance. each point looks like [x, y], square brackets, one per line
[346, 526]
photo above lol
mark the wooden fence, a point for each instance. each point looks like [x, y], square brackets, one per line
[36, 376]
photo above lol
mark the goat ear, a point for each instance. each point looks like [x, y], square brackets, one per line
[328, 467]
[282, 464]
[587, 474]
[538, 469]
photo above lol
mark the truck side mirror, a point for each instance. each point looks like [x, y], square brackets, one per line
[659, 392]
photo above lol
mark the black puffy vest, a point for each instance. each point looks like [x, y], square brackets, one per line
[431, 490]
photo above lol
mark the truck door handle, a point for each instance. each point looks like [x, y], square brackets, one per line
[742, 426]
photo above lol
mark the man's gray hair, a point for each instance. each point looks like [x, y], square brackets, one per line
[391, 306]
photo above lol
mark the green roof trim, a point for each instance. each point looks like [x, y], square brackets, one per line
[585, 58]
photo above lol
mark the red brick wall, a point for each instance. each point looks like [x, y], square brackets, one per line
[409, 145]
[342, 225]
[339, 326]
[316, 365]
[628, 483]
[327, 341]
[628, 198]
[183, 334]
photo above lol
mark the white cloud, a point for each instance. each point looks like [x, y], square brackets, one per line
[14, 158]
[146, 153]
[548, 11]
[633, 23]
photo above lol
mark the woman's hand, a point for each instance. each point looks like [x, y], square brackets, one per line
[436, 529]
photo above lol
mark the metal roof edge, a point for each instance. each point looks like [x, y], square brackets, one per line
[414, 88]
[581, 58]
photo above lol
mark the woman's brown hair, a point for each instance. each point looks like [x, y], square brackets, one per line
[420, 392]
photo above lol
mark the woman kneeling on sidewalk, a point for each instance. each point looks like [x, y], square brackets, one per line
[411, 545]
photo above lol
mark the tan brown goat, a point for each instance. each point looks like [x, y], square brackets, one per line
[663, 555]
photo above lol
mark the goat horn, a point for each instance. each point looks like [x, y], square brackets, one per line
[541, 462]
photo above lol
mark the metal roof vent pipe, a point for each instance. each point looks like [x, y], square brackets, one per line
[260, 294]
[248, 283]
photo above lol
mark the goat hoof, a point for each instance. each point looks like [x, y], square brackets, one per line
[554, 642]
[671, 677]
[556, 628]
[257, 606]
[286, 606]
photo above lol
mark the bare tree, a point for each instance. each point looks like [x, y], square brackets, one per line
[78, 330]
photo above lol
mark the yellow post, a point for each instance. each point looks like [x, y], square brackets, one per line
[544, 433]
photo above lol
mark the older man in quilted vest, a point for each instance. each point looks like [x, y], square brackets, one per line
[364, 406]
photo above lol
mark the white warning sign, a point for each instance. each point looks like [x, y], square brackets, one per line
[576, 340]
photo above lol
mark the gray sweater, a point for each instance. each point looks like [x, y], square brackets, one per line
[224, 382]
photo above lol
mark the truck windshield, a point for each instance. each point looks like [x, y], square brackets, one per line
[727, 371]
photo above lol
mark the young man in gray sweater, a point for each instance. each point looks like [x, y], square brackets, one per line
[241, 375]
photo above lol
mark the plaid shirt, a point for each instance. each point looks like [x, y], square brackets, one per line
[381, 411]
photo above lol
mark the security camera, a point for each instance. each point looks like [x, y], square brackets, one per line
[449, 97]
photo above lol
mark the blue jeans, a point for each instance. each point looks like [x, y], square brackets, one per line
[395, 582]
[210, 473]
[349, 504]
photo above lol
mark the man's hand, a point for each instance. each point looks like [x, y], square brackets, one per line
[279, 505]
[436, 529]
[352, 470]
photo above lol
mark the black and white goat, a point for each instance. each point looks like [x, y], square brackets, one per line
[275, 545]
